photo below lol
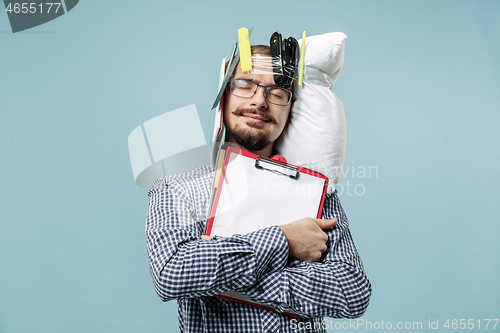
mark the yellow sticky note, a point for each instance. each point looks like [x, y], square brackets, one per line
[302, 58]
[245, 52]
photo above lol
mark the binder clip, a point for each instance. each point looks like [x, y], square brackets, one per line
[285, 55]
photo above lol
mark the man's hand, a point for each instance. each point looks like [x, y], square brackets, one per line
[205, 237]
[306, 239]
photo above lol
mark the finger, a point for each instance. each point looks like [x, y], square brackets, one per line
[326, 224]
[317, 257]
[323, 248]
[205, 237]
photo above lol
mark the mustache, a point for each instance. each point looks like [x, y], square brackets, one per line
[265, 115]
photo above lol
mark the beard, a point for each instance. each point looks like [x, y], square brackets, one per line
[250, 139]
[253, 138]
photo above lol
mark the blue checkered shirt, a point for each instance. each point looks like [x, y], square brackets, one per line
[192, 270]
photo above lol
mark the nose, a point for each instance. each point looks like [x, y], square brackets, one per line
[258, 100]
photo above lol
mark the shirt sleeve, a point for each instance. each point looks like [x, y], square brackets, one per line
[335, 287]
[184, 266]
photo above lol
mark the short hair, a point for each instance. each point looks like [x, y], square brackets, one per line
[261, 49]
[256, 49]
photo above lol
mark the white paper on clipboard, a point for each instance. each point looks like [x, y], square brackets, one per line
[249, 198]
[255, 192]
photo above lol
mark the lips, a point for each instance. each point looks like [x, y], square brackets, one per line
[254, 115]
[255, 118]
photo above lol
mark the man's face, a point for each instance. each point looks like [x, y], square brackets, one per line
[254, 123]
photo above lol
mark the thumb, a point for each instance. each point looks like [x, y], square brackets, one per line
[326, 224]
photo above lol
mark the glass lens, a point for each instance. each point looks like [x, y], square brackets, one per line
[243, 88]
[278, 96]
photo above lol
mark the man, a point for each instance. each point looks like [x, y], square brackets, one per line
[309, 267]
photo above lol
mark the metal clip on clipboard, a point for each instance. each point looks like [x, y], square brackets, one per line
[277, 167]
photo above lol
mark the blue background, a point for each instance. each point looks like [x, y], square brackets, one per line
[420, 87]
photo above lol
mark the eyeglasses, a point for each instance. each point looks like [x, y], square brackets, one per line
[273, 94]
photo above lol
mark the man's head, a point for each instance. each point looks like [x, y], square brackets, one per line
[255, 111]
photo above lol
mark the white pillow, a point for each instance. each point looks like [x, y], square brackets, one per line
[316, 135]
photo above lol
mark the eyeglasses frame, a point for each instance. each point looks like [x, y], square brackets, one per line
[266, 90]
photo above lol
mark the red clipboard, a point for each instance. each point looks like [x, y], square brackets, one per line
[249, 187]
